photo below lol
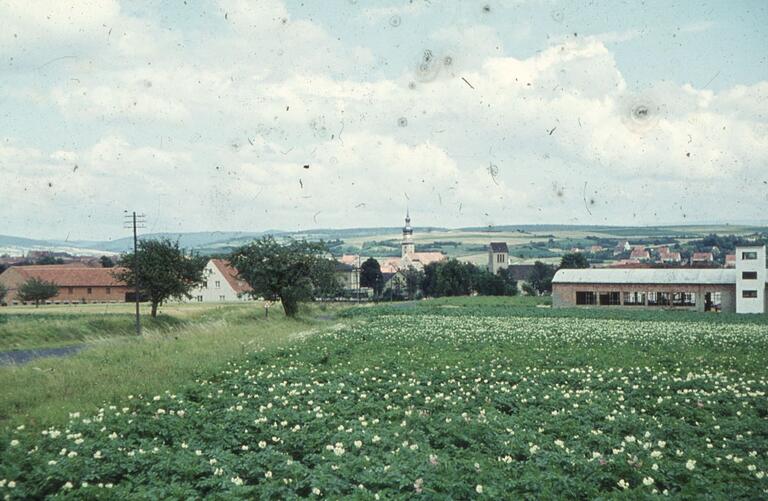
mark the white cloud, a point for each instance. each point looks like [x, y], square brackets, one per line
[216, 136]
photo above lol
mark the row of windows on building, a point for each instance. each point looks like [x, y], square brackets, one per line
[88, 290]
[217, 284]
[641, 298]
[651, 298]
[199, 299]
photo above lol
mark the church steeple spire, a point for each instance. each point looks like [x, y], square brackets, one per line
[407, 243]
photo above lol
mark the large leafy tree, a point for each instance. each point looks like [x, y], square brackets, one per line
[540, 278]
[574, 260]
[413, 281]
[37, 290]
[510, 283]
[164, 271]
[429, 283]
[292, 272]
[370, 275]
[500, 284]
[453, 278]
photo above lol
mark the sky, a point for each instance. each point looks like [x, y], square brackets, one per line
[248, 115]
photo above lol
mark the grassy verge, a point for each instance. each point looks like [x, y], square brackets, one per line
[26, 327]
[177, 352]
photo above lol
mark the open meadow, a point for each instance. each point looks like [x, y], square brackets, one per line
[447, 399]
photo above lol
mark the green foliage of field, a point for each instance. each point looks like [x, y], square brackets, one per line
[540, 306]
[422, 400]
[190, 342]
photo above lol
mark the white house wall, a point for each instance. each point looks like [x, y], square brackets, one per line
[217, 290]
[756, 285]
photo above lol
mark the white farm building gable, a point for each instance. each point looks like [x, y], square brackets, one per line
[220, 284]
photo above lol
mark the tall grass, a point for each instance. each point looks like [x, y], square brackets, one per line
[55, 326]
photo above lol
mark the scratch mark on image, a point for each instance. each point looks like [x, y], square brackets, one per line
[584, 195]
[54, 60]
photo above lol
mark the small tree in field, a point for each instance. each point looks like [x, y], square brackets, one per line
[3, 292]
[574, 260]
[291, 272]
[540, 278]
[37, 290]
[164, 271]
[370, 275]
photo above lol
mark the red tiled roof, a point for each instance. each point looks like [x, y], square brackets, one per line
[70, 276]
[390, 265]
[351, 259]
[702, 256]
[230, 274]
[428, 257]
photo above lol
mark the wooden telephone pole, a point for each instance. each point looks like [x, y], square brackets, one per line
[135, 221]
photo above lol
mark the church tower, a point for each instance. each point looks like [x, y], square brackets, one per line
[407, 243]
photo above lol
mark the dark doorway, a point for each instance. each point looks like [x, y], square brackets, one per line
[708, 301]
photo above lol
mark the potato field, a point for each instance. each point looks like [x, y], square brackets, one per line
[411, 404]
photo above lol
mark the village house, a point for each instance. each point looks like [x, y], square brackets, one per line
[622, 247]
[640, 253]
[666, 256]
[741, 289]
[76, 284]
[220, 284]
[348, 277]
[395, 283]
[702, 258]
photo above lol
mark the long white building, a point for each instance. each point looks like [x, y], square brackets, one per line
[736, 290]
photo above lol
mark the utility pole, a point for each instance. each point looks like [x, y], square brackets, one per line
[135, 221]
